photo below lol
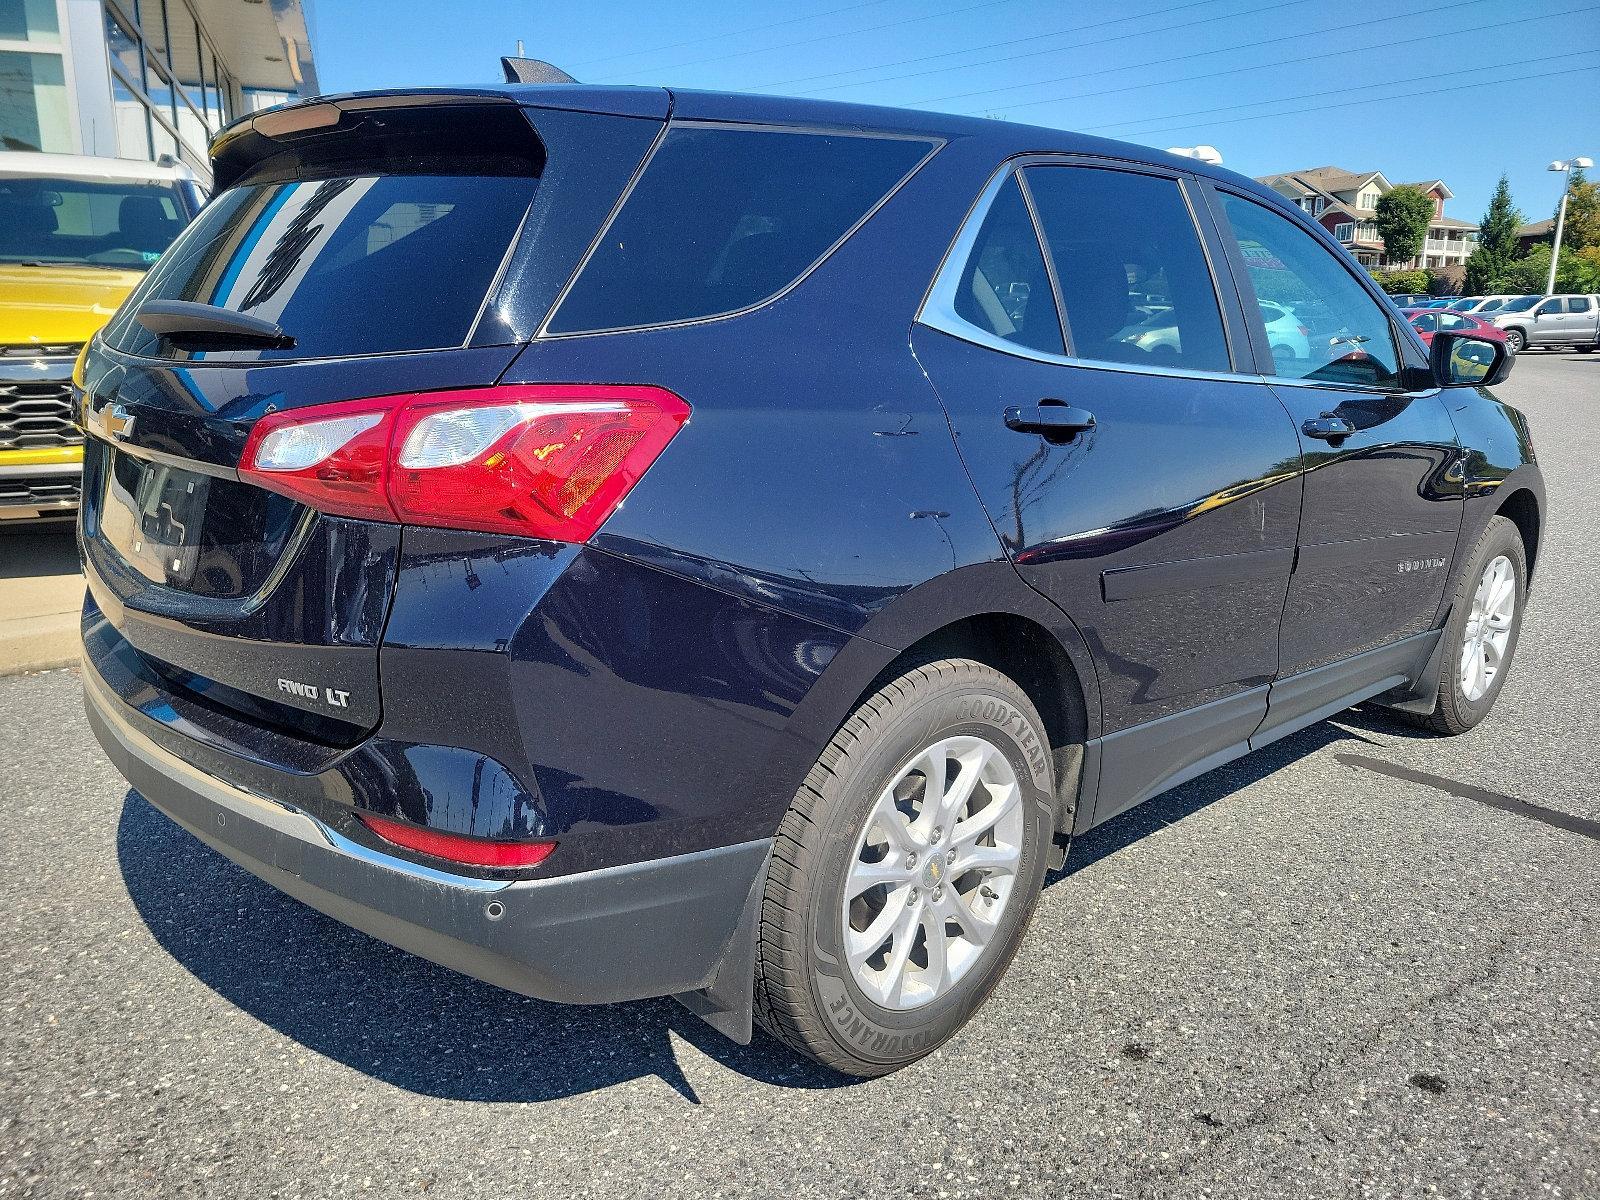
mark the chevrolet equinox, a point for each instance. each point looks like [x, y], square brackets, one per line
[619, 542]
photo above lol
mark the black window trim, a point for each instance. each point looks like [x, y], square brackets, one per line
[937, 310]
[932, 141]
[1401, 333]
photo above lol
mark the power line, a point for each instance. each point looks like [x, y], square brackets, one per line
[1341, 91]
[828, 37]
[696, 41]
[1287, 62]
[1460, 87]
[1009, 58]
[1421, 12]
[905, 62]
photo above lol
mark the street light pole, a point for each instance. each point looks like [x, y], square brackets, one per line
[1565, 168]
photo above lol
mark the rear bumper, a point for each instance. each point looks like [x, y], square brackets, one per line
[655, 928]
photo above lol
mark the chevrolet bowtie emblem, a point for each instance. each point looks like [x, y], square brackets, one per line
[118, 422]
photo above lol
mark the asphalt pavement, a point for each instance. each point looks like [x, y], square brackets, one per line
[1362, 962]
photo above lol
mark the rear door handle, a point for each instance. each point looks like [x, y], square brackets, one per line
[1051, 418]
[1328, 428]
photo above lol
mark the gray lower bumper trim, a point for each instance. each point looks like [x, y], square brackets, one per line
[622, 933]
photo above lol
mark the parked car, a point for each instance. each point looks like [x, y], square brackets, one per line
[76, 234]
[759, 549]
[1486, 304]
[1564, 320]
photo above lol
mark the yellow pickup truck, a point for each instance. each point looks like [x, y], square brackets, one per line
[76, 235]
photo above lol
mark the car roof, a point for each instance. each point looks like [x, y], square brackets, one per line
[32, 164]
[1008, 138]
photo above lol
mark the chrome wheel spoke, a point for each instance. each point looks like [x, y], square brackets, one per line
[959, 792]
[863, 945]
[977, 929]
[979, 823]
[1001, 860]
[905, 936]
[937, 945]
[891, 822]
[892, 871]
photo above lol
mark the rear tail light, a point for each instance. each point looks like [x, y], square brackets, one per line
[539, 460]
[469, 851]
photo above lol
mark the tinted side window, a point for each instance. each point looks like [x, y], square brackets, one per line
[1578, 304]
[1004, 288]
[1348, 339]
[1133, 278]
[1424, 323]
[1451, 321]
[725, 218]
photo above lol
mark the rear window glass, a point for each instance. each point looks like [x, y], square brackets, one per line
[723, 219]
[353, 264]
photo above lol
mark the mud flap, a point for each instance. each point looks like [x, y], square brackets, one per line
[727, 1003]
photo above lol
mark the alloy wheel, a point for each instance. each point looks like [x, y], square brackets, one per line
[1483, 649]
[932, 872]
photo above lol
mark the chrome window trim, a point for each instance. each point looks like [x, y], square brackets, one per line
[938, 306]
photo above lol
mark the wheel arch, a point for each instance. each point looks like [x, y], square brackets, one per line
[987, 613]
[1521, 508]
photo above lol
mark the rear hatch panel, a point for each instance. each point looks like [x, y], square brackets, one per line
[407, 247]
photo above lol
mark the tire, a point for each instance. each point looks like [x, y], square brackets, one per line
[1458, 709]
[857, 1015]
[1516, 341]
[1590, 349]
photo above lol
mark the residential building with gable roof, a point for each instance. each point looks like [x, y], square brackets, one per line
[1346, 202]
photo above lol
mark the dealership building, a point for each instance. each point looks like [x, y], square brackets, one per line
[141, 79]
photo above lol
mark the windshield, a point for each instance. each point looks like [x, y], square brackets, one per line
[118, 224]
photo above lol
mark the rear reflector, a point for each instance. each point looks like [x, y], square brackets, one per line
[470, 851]
[540, 460]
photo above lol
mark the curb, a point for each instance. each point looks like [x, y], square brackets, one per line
[38, 643]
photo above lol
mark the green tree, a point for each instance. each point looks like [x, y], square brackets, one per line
[1403, 214]
[1582, 227]
[1497, 242]
[1577, 272]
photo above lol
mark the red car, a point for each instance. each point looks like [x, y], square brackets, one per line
[1428, 321]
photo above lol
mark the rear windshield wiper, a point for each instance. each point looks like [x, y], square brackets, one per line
[206, 327]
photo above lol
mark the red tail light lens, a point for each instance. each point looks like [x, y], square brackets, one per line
[538, 460]
[469, 851]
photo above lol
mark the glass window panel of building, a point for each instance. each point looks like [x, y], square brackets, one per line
[34, 114]
[164, 67]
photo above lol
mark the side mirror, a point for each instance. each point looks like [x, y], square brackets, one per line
[1461, 360]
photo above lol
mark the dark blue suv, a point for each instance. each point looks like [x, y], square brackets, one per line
[617, 542]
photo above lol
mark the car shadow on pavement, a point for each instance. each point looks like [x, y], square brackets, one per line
[403, 1020]
[392, 1015]
[1171, 807]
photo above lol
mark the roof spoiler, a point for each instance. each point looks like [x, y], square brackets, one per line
[533, 70]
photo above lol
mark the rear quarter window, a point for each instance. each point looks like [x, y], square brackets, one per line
[723, 219]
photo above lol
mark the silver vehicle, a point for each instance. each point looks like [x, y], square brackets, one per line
[1489, 304]
[1564, 320]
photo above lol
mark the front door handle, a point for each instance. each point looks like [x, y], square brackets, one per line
[1328, 427]
[1051, 418]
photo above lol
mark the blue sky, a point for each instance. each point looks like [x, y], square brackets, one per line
[1458, 90]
